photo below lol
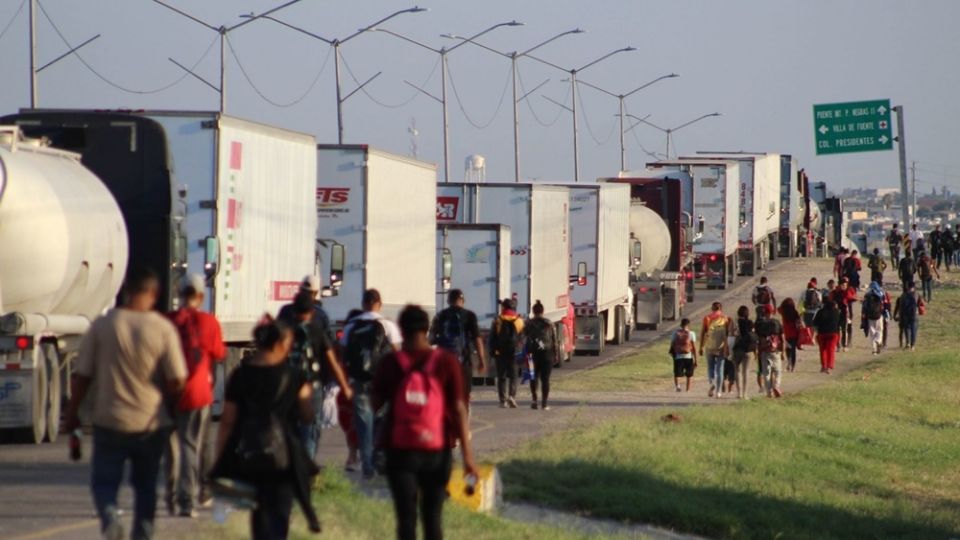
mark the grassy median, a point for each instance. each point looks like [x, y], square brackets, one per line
[875, 455]
[650, 365]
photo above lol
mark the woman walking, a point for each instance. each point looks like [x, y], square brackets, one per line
[828, 323]
[792, 324]
[744, 349]
[257, 442]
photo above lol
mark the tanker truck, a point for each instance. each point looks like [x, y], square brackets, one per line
[183, 186]
[650, 247]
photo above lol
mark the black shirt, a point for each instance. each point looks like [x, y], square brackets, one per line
[260, 386]
[471, 330]
[828, 321]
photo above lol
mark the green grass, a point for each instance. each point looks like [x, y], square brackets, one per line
[875, 455]
[650, 365]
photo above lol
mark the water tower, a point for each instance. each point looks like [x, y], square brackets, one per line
[475, 169]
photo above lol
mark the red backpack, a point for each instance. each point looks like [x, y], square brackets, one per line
[418, 406]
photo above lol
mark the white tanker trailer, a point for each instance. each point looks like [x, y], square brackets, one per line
[62, 260]
[651, 252]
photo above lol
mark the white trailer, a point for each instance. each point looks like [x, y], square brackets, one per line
[476, 260]
[538, 219]
[792, 207]
[198, 192]
[379, 206]
[600, 259]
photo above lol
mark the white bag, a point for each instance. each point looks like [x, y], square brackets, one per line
[329, 407]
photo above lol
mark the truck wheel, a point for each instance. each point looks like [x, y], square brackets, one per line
[54, 393]
[618, 318]
[38, 413]
[603, 339]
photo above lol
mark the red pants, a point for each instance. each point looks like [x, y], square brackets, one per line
[828, 349]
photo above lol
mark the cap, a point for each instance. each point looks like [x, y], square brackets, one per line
[310, 283]
[193, 281]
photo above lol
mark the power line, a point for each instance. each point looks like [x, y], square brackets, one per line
[586, 120]
[363, 88]
[493, 117]
[263, 96]
[117, 85]
[12, 19]
[633, 132]
[530, 105]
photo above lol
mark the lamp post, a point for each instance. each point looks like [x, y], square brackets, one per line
[223, 31]
[514, 56]
[336, 43]
[443, 52]
[573, 105]
[669, 131]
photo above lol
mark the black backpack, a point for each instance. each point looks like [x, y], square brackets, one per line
[747, 339]
[763, 295]
[367, 344]
[873, 307]
[907, 268]
[451, 334]
[507, 339]
[923, 266]
[539, 335]
[812, 300]
[261, 444]
[908, 306]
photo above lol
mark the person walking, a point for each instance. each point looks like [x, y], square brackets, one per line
[540, 338]
[907, 268]
[792, 324]
[949, 245]
[744, 349]
[187, 462]
[771, 344]
[456, 331]
[310, 286]
[917, 242]
[132, 355]
[828, 324]
[936, 245]
[877, 265]
[366, 339]
[812, 301]
[838, 261]
[763, 296]
[894, 241]
[427, 417]
[683, 350]
[714, 331]
[851, 269]
[257, 440]
[844, 296]
[505, 342]
[926, 270]
[873, 315]
[907, 312]
[345, 416]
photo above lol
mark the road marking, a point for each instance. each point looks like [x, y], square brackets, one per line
[47, 533]
[486, 425]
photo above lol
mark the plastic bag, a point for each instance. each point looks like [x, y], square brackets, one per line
[527, 372]
[805, 336]
[329, 406]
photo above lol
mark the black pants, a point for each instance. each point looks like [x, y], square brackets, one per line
[846, 332]
[271, 519]
[418, 476]
[506, 372]
[542, 366]
[792, 352]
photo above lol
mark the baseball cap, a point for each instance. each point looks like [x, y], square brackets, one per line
[310, 283]
[193, 281]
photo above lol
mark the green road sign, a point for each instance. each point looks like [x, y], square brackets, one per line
[855, 126]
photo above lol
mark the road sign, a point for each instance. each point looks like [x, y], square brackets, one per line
[855, 126]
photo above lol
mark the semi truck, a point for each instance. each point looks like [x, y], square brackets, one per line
[600, 260]
[759, 189]
[653, 287]
[368, 201]
[192, 192]
[792, 208]
[540, 252]
[716, 208]
[474, 258]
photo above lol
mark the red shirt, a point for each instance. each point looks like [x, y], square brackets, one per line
[447, 371]
[843, 298]
[195, 326]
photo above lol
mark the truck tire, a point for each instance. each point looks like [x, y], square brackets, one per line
[618, 320]
[55, 391]
[38, 413]
[603, 333]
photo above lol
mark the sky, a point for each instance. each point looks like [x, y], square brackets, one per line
[762, 64]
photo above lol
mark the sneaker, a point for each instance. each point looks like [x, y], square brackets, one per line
[545, 408]
[503, 404]
[534, 405]
[352, 465]
[512, 403]
[777, 392]
[205, 500]
[678, 388]
[712, 390]
[188, 513]
[719, 394]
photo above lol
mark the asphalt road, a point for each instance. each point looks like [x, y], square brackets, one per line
[45, 496]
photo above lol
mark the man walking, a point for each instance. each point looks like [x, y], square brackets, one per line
[917, 243]
[936, 245]
[894, 240]
[906, 269]
[947, 242]
[504, 344]
[309, 286]
[873, 314]
[201, 342]
[844, 296]
[771, 347]
[926, 270]
[133, 355]
[683, 349]
[763, 296]
[714, 330]
[367, 338]
[877, 265]
[907, 313]
[455, 330]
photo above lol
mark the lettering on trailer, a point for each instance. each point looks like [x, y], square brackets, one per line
[284, 291]
[743, 204]
[855, 126]
[563, 300]
[447, 208]
[478, 254]
[8, 389]
[234, 259]
[332, 201]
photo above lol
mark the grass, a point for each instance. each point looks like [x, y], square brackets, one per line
[875, 455]
[650, 365]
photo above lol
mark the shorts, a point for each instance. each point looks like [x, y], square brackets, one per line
[683, 367]
[729, 371]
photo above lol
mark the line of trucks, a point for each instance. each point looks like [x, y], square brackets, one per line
[85, 195]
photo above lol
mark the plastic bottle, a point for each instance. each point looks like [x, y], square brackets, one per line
[470, 485]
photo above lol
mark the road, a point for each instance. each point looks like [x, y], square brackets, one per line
[45, 496]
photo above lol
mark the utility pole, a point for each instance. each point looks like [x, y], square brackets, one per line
[902, 148]
[913, 186]
[34, 91]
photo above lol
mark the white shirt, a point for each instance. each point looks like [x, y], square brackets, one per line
[914, 236]
[389, 328]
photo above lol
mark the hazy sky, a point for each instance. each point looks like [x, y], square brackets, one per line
[762, 64]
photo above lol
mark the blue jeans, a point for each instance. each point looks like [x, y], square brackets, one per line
[715, 370]
[310, 432]
[927, 287]
[910, 328]
[363, 419]
[111, 450]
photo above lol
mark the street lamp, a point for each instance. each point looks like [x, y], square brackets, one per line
[621, 98]
[443, 52]
[668, 131]
[223, 31]
[573, 106]
[335, 43]
[514, 56]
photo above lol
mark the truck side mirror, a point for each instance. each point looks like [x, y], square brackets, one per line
[211, 256]
[582, 274]
[636, 253]
[700, 225]
[337, 257]
[446, 269]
